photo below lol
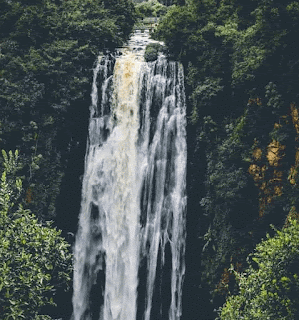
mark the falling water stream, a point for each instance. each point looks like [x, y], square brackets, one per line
[130, 244]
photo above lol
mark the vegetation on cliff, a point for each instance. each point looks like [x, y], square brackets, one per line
[269, 287]
[242, 64]
[242, 67]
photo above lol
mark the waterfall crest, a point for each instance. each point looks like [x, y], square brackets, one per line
[130, 245]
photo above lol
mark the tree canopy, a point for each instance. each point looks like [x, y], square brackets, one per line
[35, 261]
[241, 65]
[47, 51]
[269, 287]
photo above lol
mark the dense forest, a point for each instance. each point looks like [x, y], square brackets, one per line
[241, 67]
[47, 53]
[241, 64]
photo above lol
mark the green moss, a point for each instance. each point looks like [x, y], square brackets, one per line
[152, 51]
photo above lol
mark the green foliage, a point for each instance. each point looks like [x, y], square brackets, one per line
[229, 212]
[10, 189]
[269, 289]
[151, 8]
[47, 50]
[34, 259]
[175, 28]
[244, 44]
[163, 2]
[204, 94]
[152, 51]
[241, 63]
[46, 54]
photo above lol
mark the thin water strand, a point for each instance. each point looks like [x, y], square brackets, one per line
[164, 180]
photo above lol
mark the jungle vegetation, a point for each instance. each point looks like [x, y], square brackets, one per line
[36, 262]
[241, 67]
[47, 52]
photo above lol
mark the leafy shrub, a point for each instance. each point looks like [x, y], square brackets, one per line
[152, 51]
[151, 8]
[34, 258]
[270, 291]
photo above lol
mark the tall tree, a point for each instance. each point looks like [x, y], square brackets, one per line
[35, 261]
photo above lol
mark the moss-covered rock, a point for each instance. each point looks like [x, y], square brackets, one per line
[152, 51]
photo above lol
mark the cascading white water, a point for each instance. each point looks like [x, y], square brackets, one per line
[133, 198]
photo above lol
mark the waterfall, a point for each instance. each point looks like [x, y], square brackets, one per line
[130, 244]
